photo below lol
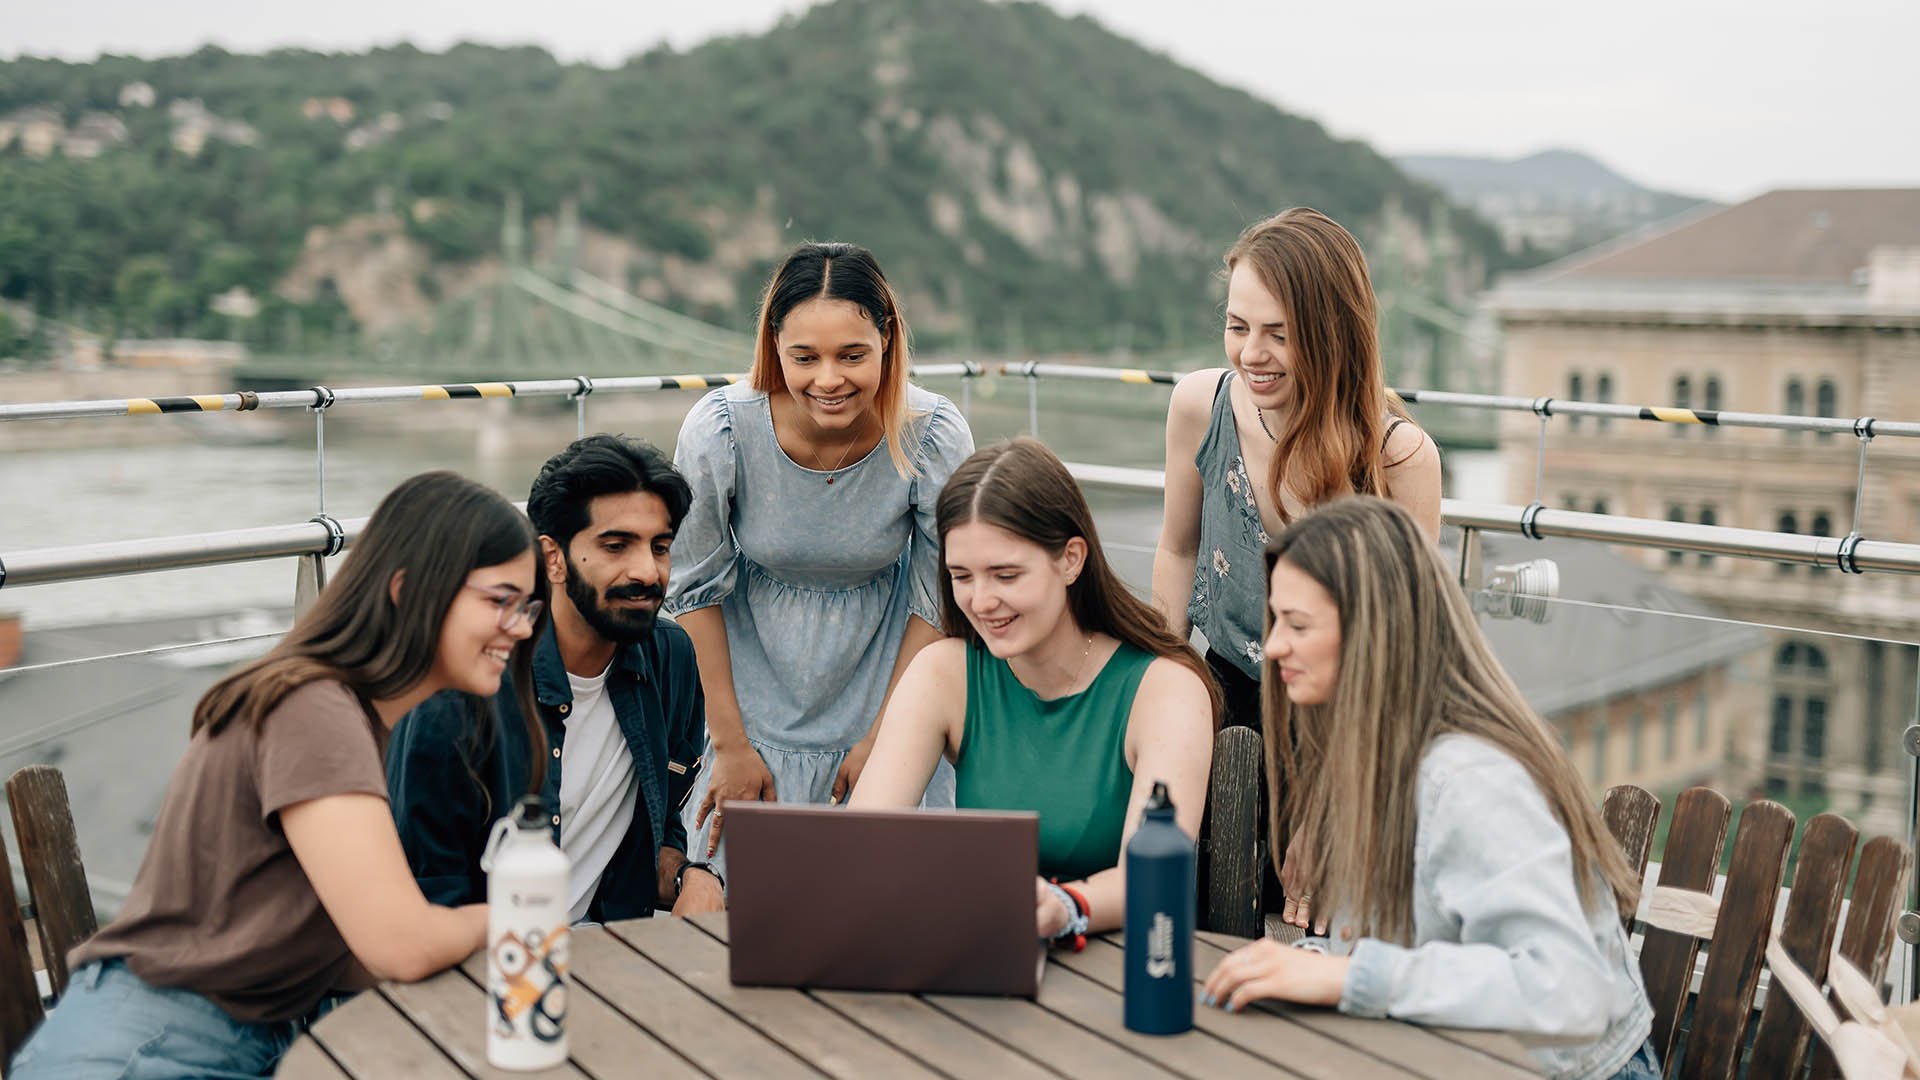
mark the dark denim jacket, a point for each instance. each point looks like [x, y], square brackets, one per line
[449, 781]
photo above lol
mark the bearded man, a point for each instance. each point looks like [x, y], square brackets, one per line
[619, 696]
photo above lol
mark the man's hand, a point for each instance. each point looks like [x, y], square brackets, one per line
[737, 774]
[699, 893]
[851, 767]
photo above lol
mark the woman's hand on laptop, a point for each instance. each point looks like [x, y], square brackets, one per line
[738, 773]
[1050, 915]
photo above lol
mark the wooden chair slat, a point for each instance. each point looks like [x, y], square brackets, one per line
[19, 994]
[1692, 857]
[1738, 950]
[50, 857]
[1236, 858]
[1879, 890]
[1631, 814]
[1813, 915]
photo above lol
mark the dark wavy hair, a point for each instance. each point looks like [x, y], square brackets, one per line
[560, 504]
[1020, 486]
[433, 529]
[839, 271]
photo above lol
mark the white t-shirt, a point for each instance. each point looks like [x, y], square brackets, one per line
[597, 789]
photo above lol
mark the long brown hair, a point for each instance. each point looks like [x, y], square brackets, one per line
[1021, 487]
[1413, 666]
[1331, 443]
[434, 530]
[840, 271]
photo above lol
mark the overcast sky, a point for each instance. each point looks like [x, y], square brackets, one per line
[1725, 98]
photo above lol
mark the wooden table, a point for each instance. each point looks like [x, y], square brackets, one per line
[651, 998]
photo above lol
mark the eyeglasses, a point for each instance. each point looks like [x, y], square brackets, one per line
[512, 604]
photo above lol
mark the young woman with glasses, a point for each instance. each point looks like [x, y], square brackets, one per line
[275, 878]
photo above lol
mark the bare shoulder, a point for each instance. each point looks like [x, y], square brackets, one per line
[1174, 697]
[1192, 407]
[942, 663]
[1409, 448]
[1193, 394]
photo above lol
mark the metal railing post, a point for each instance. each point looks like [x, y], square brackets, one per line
[1469, 558]
[1033, 401]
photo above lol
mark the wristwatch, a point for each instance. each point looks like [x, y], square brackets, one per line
[680, 874]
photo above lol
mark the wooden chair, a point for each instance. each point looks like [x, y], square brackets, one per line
[1236, 855]
[19, 993]
[1738, 926]
[50, 858]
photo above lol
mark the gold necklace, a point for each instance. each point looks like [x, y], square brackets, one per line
[833, 473]
[1082, 669]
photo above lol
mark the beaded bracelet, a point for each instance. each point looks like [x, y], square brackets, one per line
[1075, 931]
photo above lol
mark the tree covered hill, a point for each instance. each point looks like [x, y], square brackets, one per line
[1027, 179]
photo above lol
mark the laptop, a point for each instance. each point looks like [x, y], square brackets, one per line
[905, 900]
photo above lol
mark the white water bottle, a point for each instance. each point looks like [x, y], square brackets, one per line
[527, 941]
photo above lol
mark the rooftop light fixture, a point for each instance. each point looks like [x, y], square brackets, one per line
[1520, 590]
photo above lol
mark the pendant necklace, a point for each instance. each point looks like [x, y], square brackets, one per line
[1262, 414]
[834, 473]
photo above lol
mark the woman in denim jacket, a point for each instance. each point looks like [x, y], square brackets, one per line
[1463, 871]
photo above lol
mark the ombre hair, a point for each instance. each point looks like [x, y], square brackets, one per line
[1332, 440]
[1020, 486]
[1413, 666]
[431, 532]
[840, 271]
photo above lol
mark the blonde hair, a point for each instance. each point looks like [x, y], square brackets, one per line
[840, 271]
[1332, 440]
[1413, 666]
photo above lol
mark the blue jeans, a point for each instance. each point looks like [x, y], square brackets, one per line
[1643, 1065]
[111, 1025]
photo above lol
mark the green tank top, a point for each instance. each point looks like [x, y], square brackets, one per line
[1065, 758]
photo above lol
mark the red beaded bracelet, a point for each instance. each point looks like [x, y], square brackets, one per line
[1086, 911]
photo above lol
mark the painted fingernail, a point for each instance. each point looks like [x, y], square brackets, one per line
[1231, 1007]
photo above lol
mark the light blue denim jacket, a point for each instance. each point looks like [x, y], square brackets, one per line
[1501, 938]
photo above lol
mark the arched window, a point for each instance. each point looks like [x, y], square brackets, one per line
[1678, 513]
[1576, 391]
[1599, 506]
[1788, 523]
[1682, 399]
[1795, 405]
[1710, 400]
[1603, 393]
[1826, 402]
[1709, 515]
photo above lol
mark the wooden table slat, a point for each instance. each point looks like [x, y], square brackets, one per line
[831, 1042]
[453, 1013]
[1298, 1048]
[599, 1040]
[918, 1028]
[1191, 1053]
[1407, 1045]
[654, 997]
[304, 1060]
[380, 1043]
[651, 997]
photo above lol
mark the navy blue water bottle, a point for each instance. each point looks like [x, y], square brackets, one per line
[1160, 868]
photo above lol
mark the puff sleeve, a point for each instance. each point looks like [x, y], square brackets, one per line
[945, 442]
[705, 559]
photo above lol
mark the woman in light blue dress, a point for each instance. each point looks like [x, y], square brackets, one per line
[805, 569]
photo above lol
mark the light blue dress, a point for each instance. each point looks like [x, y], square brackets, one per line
[815, 581]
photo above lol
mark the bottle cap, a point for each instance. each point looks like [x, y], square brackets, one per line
[1158, 804]
[530, 813]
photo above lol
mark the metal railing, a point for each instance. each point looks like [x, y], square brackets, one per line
[322, 536]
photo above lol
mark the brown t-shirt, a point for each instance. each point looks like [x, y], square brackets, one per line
[221, 906]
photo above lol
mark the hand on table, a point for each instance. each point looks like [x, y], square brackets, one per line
[737, 774]
[851, 767]
[1050, 915]
[1268, 969]
[699, 893]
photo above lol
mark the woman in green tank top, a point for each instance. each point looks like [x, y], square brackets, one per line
[1057, 690]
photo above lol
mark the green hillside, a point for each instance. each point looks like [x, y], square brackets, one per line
[1028, 180]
